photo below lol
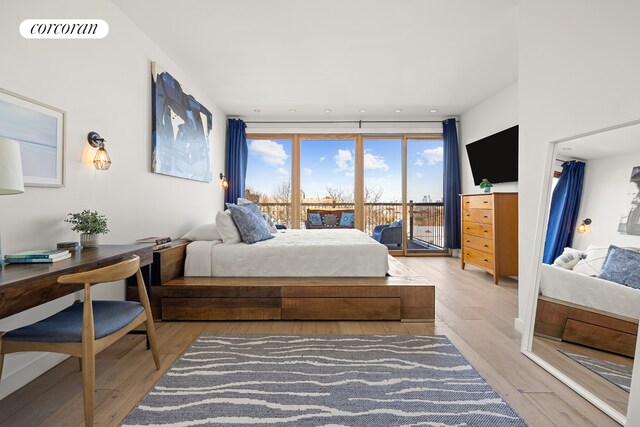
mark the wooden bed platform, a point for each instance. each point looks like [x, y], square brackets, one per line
[564, 321]
[404, 296]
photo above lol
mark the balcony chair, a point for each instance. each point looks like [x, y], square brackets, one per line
[83, 330]
[389, 234]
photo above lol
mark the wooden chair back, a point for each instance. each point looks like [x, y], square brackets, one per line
[111, 273]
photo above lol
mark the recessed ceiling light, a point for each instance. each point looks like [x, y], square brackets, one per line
[326, 110]
[292, 110]
[433, 110]
[397, 110]
[257, 110]
[363, 110]
[567, 148]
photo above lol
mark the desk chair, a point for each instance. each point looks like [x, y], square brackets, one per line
[83, 330]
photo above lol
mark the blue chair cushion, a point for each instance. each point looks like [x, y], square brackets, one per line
[66, 325]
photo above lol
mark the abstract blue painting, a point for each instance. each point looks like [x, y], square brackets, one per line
[39, 129]
[180, 130]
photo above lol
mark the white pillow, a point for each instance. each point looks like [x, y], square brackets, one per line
[227, 228]
[242, 201]
[569, 258]
[205, 232]
[592, 263]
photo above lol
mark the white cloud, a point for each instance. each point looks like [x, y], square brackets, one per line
[433, 155]
[268, 151]
[322, 158]
[419, 162]
[282, 171]
[419, 175]
[371, 162]
[307, 171]
[344, 160]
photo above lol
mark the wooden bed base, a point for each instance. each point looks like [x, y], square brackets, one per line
[585, 326]
[404, 296]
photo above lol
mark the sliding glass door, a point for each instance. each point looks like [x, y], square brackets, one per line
[382, 166]
[425, 187]
[327, 174]
[268, 180]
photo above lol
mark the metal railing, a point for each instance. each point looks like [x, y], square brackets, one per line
[425, 220]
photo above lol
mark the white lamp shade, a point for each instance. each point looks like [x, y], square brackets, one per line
[11, 181]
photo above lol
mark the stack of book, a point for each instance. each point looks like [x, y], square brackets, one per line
[158, 242]
[43, 255]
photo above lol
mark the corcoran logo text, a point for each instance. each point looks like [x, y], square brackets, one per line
[64, 29]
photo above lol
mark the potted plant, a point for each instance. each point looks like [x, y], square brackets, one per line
[90, 224]
[486, 185]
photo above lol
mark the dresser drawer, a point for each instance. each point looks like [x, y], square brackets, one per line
[475, 242]
[478, 258]
[477, 202]
[484, 216]
[482, 230]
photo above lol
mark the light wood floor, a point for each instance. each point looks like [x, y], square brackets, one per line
[476, 315]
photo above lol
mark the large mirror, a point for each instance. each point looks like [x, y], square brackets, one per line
[584, 310]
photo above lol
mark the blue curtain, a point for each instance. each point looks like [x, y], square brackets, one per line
[237, 154]
[451, 185]
[563, 214]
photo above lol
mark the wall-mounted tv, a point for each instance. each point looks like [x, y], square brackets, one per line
[495, 157]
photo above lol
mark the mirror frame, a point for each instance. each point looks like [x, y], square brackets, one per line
[632, 417]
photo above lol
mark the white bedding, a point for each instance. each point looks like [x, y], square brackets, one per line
[292, 253]
[567, 285]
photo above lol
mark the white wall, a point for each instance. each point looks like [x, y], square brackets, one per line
[104, 86]
[577, 73]
[493, 115]
[604, 199]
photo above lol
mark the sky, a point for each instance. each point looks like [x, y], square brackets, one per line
[330, 163]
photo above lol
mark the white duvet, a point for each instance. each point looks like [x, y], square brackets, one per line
[291, 253]
[567, 285]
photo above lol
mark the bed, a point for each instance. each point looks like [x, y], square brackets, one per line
[292, 253]
[586, 310]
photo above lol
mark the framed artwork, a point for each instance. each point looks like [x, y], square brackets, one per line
[39, 129]
[630, 218]
[181, 127]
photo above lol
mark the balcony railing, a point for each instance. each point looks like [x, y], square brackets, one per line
[425, 220]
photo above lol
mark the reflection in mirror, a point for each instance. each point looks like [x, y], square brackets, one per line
[586, 321]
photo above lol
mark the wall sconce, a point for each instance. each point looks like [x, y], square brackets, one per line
[223, 181]
[585, 227]
[101, 161]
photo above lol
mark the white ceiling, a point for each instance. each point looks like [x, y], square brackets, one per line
[610, 143]
[336, 54]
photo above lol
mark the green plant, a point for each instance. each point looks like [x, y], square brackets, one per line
[485, 184]
[88, 222]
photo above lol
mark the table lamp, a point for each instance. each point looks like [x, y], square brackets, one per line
[10, 173]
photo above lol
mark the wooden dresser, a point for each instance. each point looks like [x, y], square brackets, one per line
[490, 232]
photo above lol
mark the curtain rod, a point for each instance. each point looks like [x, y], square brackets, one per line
[359, 122]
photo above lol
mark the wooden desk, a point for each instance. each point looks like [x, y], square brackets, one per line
[24, 286]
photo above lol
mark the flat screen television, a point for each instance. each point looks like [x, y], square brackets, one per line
[495, 157]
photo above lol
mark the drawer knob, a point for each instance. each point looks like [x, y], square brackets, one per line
[486, 231]
[486, 216]
[485, 201]
[486, 260]
[468, 228]
[486, 246]
[468, 241]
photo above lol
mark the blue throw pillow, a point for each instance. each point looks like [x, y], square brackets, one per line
[622, 266]
[250, 222]
[315, 218]
[347, 219]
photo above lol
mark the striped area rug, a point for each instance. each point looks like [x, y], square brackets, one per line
[320, 380]
[615, 373]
